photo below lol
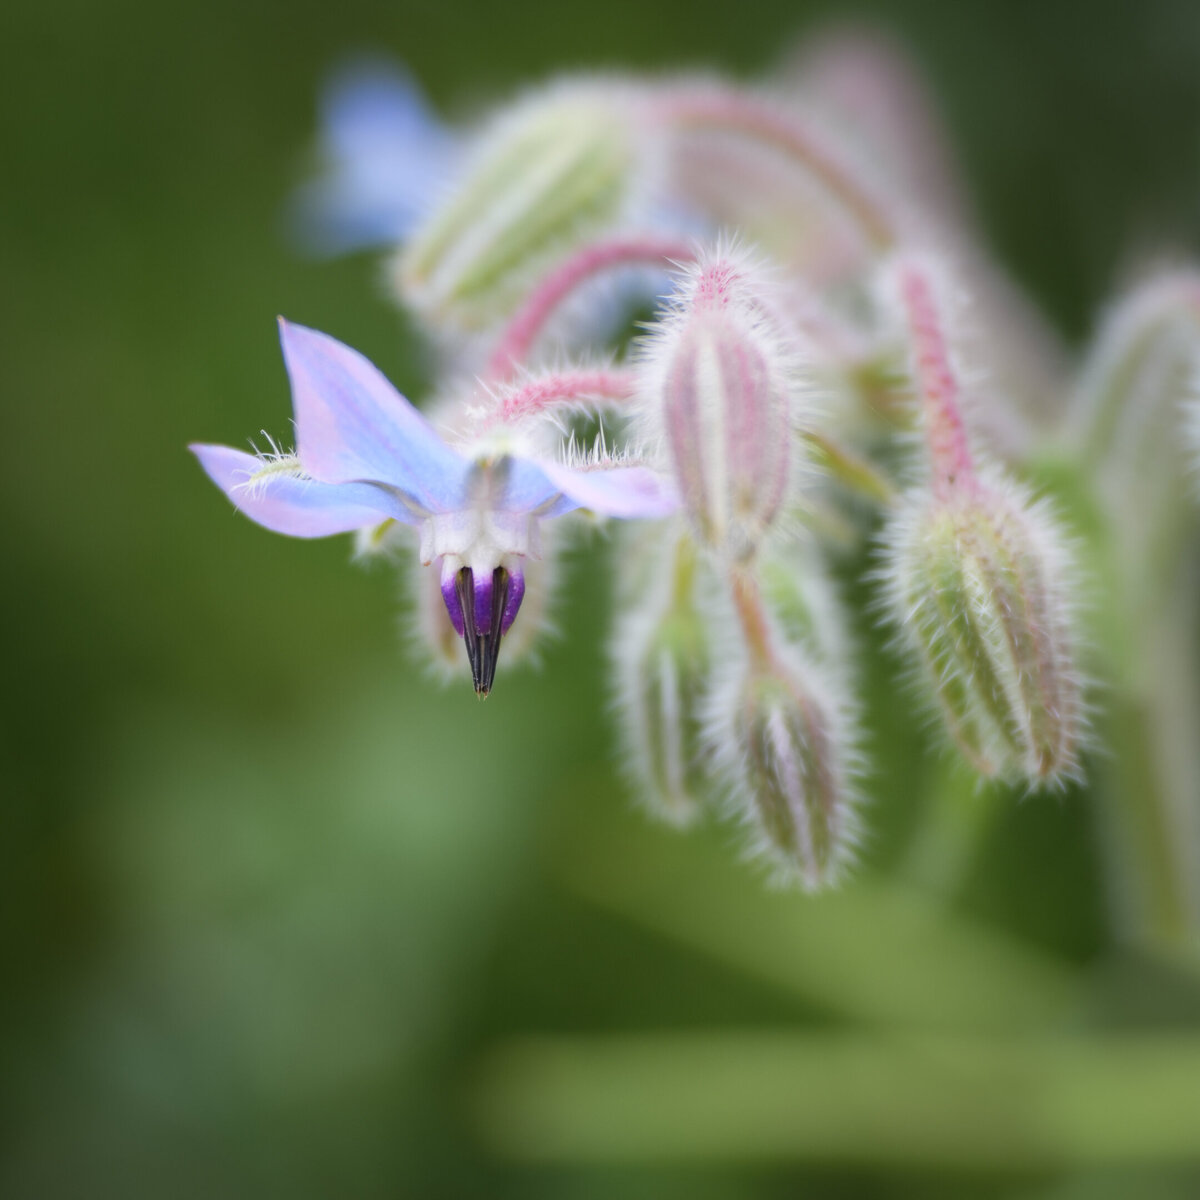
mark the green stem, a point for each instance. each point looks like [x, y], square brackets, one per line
[1012, 1104]
[848, 468]
[756, 629]
[1141, 647]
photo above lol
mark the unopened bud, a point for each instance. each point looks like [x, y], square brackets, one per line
[721, 384]
[979, 583]
[1145, 357]
[791, 770]
[552, 174]
[1137, 388]
[663, 661]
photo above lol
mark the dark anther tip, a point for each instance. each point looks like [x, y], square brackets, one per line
[482, 643]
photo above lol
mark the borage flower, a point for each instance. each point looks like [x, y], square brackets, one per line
[365, 455]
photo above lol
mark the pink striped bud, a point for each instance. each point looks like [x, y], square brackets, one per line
[721, 385]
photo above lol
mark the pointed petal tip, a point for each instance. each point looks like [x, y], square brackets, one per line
[292, 505]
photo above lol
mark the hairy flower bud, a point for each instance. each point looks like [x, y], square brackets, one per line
[784, 732]
[1140, 370]
[551, 174]
[978, 581]
[663, 660]
[720, 390]
[1136, 393]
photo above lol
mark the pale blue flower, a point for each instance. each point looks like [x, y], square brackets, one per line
[364, 455]
[387, 158]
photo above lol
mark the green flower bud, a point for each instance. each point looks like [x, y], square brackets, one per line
[791, 770]
[551, 175]
[663, 660]
[979, 583]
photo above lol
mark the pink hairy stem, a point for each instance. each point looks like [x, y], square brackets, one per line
[945, 431]
[562, 387]
[523, 329]
[736, 112]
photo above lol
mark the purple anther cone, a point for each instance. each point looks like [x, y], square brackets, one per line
[482, 609]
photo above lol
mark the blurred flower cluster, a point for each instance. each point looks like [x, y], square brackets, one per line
[830, 370]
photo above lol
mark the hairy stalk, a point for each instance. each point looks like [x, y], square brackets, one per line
[945, 431]
[563, 387]
[752, 617]
[727, 110]
[522, 331]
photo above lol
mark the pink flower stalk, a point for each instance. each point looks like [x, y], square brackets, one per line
[935, 379]
[543, 393]
[725, 110]
[518, 338]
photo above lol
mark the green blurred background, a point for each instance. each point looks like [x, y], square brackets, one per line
[283, 917]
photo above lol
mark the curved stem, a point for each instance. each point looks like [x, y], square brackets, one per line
[753, 618]
[521, 332]
[945, 431]
[848, 468]
[561, 387]
[1130, 337]
[798, 139]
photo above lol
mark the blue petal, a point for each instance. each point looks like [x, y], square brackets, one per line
[298, 507]
[352, 425]
[528, 489]
[627, 492]
[389, 157]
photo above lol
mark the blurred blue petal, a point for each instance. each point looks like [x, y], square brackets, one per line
[387, 157]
